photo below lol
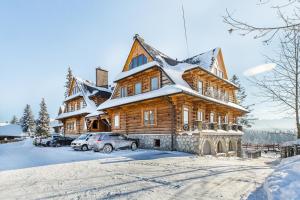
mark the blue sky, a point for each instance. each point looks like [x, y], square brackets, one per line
[40, 39]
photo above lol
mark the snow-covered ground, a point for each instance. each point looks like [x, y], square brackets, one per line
[143, 174]
[284, 182]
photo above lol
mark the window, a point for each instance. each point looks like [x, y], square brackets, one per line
[149, 117]
[154, 83]
[221, 75]
[123, 91]
[69, 108]
[219, 119]
[75, 90]
[200, 116]
[138, 88]
[211, 117]
[156, 143]
[117, 121]
[200, 87]
[226, 119]
[137, 61]
[226, 97]
[185, 116]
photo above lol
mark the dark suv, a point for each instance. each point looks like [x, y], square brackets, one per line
[61, 141]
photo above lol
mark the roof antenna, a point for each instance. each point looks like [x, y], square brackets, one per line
[186, 39]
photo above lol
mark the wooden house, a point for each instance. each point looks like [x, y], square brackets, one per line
[187, 105]
[78, 111]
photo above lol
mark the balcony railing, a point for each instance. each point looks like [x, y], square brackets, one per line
[216, 94]
[200, 125]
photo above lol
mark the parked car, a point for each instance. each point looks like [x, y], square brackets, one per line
[61, 141]
[81, 143]
[44, 140]
[109, 141]
[94, 138]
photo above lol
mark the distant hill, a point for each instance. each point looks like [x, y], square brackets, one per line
[275, 124]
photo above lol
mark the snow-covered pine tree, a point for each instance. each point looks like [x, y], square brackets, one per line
[241, 95]
[14, 120]
[68, 82]
[27, 120]
[43, 127]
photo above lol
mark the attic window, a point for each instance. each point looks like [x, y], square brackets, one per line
[137, 61]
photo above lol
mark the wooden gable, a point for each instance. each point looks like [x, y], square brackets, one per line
[72, 85]
[221, 64]
[136, 49]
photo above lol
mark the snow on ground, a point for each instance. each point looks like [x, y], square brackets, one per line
[143, 174]
[284, 182]
[23, 155]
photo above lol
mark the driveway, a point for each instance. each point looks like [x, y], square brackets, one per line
[143, 174]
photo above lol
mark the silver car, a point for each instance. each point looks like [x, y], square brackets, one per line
[81, 143]
[110, 141]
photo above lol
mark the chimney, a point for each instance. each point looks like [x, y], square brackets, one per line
[101, 77]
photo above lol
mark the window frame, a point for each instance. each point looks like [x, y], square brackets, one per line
[200, 115]
[117, 116]
[148, 111]
[198, 88]
[125, 91]
[158, 83]
[135, 91]
[184, 110]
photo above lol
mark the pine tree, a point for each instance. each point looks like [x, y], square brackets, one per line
[241, 95]
[43, 127]
[14, 120]
[69, 81]
[27, 121]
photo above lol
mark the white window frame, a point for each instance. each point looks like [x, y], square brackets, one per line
[123, 92]
[200, 115]
[200, 89]
[117, 121]
[211, 117]
[151, 85]
[185, 115]
[135, 90]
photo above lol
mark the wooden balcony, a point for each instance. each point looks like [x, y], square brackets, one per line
[216, 95]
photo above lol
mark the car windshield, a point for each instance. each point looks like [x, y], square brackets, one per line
[82, 137]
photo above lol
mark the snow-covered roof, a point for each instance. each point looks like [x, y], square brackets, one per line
[166, 90]
[290, 143]
[86, 89]
[136, 70]
[11, 130]
[96, 113]
[174, 68]
[55, 123]
[85, 110]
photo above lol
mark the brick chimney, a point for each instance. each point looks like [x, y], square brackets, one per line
[101, 77]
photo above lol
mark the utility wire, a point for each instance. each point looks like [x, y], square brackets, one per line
[184, 25]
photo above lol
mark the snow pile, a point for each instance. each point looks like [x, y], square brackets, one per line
[284, 182]
[11, 130]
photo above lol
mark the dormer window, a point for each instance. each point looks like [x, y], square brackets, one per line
[137, 61]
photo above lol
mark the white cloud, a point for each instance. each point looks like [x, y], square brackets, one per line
[260, 69]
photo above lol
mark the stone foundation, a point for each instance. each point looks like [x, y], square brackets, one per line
[201, 144]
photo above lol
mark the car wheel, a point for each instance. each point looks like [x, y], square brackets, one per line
[84, 148]
[57, 145]
[48, 144]
[107, 148]
[133, 146]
